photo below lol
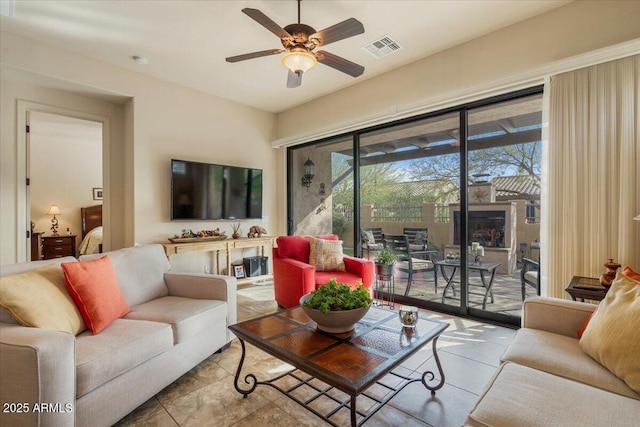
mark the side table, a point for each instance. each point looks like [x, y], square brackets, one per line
[586, 288]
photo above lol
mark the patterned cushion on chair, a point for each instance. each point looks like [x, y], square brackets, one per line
[367, 237]
[326, 255]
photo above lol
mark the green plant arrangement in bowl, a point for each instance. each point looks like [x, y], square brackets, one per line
[335, 307]
[385, 263]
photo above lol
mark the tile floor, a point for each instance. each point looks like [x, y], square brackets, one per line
[205, 396]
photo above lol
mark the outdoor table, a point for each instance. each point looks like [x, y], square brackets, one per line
[481, 266]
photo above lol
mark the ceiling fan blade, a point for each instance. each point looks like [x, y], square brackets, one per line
[342, 30]
[266, 22]
[252, 55]
[339, 63]
[294, 79]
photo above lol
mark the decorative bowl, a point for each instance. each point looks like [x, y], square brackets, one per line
[335, 322]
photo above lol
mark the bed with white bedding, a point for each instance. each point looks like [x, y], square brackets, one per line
[91, 230]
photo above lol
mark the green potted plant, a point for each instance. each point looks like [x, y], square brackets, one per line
[385, 263]
[335, 307]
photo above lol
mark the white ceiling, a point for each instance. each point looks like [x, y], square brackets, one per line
[187, 41]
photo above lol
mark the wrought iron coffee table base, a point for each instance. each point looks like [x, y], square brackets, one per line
[252, 382]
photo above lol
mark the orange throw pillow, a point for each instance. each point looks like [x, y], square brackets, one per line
[586, 323]
[94, 288]
[630, 273]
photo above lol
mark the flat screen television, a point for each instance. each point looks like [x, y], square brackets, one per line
[205, 191]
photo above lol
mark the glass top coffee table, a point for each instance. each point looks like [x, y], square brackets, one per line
[351, 362]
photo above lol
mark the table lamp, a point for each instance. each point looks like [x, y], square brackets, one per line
[54, 210]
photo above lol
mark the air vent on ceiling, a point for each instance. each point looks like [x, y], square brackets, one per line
[382, 47]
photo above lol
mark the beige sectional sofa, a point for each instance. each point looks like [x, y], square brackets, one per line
[176, 321]
[545, 378]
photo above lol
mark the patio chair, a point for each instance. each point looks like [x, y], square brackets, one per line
[371, 238]
[406, 262]
[530, 275]
[417, 238]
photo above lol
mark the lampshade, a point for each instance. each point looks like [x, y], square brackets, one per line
[54, 210]
[299, 61]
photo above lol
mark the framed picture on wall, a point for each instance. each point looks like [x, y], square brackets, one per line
[97, 193]
[238, 271]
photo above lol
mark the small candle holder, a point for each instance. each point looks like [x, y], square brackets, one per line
[408, 316]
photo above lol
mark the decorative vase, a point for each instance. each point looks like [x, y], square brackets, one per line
[607, 278]
[235, 235]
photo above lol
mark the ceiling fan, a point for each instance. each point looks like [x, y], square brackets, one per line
[299, 41]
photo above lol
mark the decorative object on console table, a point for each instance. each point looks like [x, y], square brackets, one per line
[54, 210]
[188, 235]
[586, 288]
[256, 231]
[607, 278]
[58, 246]
[236, 230]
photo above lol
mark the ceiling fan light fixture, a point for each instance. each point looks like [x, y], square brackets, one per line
[299, 62]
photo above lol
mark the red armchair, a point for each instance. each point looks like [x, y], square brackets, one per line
[294, 277]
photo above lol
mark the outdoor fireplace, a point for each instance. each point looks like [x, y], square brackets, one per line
[485, 227]
[493, 226]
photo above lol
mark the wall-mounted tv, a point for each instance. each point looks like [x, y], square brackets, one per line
[205, 191]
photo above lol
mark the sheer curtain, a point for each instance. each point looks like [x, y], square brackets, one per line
[593, 180]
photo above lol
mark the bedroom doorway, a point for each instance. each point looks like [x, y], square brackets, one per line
[64, 169]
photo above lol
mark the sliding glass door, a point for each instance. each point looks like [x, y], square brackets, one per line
[462, 185]
[409, 175]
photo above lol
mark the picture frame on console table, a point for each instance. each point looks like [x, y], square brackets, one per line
[238, 271]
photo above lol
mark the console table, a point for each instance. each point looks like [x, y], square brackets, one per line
[228, 246]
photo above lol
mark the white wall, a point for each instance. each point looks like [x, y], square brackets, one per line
[162, 120]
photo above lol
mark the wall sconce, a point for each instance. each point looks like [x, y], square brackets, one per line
[54, 210]
[309, 173]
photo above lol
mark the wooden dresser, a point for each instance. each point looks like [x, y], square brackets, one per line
[58, 246]
[36, 245]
